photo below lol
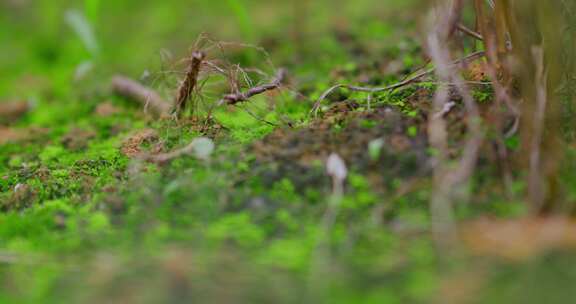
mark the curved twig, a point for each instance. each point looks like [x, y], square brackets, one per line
[232, 99]
[408, 81]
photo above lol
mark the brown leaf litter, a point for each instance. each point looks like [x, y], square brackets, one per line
[106, 109]
[132, 146]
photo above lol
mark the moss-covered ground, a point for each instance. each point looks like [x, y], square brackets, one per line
[83, 221]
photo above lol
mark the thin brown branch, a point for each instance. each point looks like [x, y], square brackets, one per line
[461, 27]
[135, 91]
[232, 99]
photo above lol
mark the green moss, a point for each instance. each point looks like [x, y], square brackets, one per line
[237, 228]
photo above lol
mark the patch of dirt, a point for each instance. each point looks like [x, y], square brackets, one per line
[21, 135]
[12, 111]
[77, 139]
[207, 127]
[370, 142]
[8, 135]
[106, 109]
[132, 146]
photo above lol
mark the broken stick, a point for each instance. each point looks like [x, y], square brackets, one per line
[135, 91]
[232, 99]
[414, 79]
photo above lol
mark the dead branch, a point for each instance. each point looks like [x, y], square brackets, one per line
[189, 83]
[232, 99]
[414, 79]
[135, 91]
[461, 27]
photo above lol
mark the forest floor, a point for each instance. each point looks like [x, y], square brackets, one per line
[89, 215]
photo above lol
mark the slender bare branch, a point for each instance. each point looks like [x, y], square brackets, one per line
[461, 27]
[232, 99]
[135, 91]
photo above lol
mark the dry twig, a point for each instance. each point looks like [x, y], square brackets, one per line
[232, 99]
[135, 91]
[461, 27]
[414, 79]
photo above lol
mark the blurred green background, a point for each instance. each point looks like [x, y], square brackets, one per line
[53, 37]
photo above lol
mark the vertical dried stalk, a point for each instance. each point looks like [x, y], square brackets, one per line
[493, 29]
[189, 83]
[449, 183]
[535, 182]
[537, 51]
[443, 226]
[524, 45]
